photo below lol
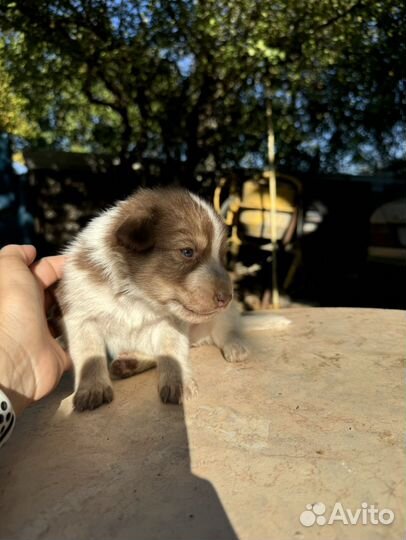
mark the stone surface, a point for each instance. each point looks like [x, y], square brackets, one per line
[315, 415]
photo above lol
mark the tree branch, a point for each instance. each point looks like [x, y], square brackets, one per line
[339, 16]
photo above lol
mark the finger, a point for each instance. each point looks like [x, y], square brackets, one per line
[49, 269]
[26, 253]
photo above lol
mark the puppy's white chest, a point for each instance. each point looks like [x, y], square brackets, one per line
[132, 328]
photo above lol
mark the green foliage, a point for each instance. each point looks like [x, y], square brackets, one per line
[184, 80]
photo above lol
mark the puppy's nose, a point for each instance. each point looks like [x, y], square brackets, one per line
[222, 298]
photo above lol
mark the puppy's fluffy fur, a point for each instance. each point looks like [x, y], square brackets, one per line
[143, 282]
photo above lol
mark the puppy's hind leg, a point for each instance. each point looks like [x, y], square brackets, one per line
[228, 337]
[235, 349]
[129, 364]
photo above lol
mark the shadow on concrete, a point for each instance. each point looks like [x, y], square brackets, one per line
[122, 471]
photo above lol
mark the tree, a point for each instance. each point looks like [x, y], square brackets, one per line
[185, 81]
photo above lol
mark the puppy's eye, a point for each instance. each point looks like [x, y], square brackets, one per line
[187, 252]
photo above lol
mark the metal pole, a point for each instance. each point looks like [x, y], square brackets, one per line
[272, 193]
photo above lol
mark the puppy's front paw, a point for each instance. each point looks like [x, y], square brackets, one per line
[176, 391]
[89, 397]
[235, 351]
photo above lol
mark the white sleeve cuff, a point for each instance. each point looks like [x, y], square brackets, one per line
[7, 418]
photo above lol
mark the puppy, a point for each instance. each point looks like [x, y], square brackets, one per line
[143, 282]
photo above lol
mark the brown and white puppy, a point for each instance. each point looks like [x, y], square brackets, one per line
[143, 282]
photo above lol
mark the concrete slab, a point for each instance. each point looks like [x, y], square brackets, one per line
[316, 416]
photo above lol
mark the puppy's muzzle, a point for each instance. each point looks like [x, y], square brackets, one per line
[222, 298]
[223, 288]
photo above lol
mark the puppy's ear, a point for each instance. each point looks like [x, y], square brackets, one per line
[137, 233]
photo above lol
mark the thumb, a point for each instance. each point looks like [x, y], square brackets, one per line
[26, 253]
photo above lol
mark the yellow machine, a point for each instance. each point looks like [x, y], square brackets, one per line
[246, 208]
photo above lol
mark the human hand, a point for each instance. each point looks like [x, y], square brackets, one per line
[31, 360]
